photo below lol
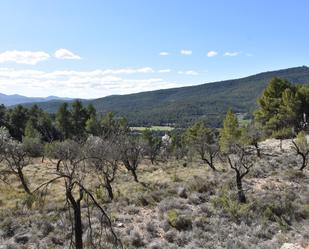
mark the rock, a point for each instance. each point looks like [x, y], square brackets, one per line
[120, 225]
[182, 192]
[22, 238]
[291, 246]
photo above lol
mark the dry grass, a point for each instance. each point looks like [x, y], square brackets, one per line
[139, 211]
[11, 196]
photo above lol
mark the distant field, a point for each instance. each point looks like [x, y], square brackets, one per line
[156, 128]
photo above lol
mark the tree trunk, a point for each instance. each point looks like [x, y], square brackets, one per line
[58, 165]
[210, 163]
[23, 181]
[241, 194]
[134, 175]
[109, 189]
[258, 151]
[78, 230]
[304, 162]
[78, 227]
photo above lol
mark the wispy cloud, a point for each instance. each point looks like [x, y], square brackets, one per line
[186, 52]
[231, 53]
[164, 71]
[63, 53]
[212, 53]
[23, 57]
[164, 53]
[95, 83]
[189, 72]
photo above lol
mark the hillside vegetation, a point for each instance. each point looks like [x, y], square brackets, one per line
[175, 207]
[182, 106]
[87, 181]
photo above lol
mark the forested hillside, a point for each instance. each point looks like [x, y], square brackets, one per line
[183, 105]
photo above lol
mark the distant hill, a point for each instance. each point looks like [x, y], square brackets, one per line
[183, 105]
[15, 99]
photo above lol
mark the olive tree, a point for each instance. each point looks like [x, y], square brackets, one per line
[14, 157]
[240, 161]
[253, 135]
[204, 142]
[131, 153]
[102, 156]
[79, 181]
[152, 144]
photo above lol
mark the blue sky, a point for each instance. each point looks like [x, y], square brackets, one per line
[92, 49]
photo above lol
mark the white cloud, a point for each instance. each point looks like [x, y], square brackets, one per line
[80, 84]
[23, 57]
[231, 53]
[189, 72]
[164, 53]
[63, 53]
[164, 71]
[212, 53]
[186, 52]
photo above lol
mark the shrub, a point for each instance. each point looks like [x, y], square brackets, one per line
[180, 222]
[201, 185]
[278, 207]
[151, 228]
[136, 239]
[8, 227]
[33, 146]
[170, 236]
[230, 206]
[172, 203]
[172, 217]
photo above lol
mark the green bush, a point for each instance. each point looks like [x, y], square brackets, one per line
[33, 146]
[180, 222]
[230, 206]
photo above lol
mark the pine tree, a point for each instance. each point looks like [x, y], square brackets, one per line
[79, 117]
[230, 133]
[63, 120]
[281, 107]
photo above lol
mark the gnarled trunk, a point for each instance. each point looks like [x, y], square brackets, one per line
[134, 175]
[240, 191]
[109, 189]
[23, 181]
[258, 150]
[78, 229]
[304, 162]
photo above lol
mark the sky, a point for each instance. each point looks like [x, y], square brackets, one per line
[91, 49]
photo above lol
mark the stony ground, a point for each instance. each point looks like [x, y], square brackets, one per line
[175, 207]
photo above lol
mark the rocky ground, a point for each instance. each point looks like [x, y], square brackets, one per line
[188, 207]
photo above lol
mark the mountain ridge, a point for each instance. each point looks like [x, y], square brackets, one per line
[182, 105]
[15, 99]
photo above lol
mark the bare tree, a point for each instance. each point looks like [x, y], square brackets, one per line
[62, 151]
[79, 180]
[131, 153]
[208, 153]
[102, 155]
[239, 159]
